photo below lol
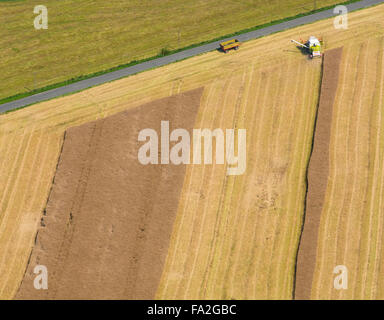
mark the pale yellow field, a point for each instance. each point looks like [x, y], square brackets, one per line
[233, 232]
[352, 224]
[235, 237]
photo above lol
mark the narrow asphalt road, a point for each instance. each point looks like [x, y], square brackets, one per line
[84, 84]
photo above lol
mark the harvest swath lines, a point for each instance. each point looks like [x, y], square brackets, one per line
[238, 235]
[229, 225]
[352, 221]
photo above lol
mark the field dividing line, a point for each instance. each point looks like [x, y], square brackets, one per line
[77, 203]
[179, 224]
[335, 133]
[303, 129]
[223, 97]
[304, 123]
[204, 213]
[177, 227]
[42, 185]
[310, 121]
[316, 289]
[193, 201]
[317, 163]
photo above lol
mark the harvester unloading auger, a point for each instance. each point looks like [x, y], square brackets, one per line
[313, 45]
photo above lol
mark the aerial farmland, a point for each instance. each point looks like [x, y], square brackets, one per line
[110, 193]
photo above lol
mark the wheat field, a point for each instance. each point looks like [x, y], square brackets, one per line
[351, 229]
[234, 236]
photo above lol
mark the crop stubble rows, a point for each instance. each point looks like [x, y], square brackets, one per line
[352, 222]
[30, 142]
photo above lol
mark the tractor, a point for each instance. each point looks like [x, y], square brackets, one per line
[231, 44]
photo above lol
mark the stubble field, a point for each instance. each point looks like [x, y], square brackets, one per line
[234, 236]
[351, 229]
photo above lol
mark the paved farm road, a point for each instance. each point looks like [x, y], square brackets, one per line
[84, 84]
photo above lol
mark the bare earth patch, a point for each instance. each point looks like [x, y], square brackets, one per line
[108, 221]
[318, 172]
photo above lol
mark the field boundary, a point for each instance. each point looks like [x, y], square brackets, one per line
[317, 176]
[80, 83]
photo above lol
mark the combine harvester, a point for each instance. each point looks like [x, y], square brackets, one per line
[313, 45]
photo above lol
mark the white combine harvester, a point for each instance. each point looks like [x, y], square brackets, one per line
[313, 45]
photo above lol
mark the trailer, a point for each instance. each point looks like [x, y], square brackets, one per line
[230, 44]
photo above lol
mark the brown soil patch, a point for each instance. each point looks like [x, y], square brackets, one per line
[318, 171]
[108, 221]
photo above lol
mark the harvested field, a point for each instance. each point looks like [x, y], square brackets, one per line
[317, 175]
[352, 221]
[106, 228]
[255, 206]
[237, 229]
[233, 237]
